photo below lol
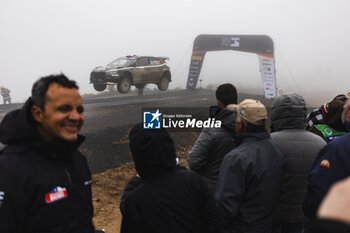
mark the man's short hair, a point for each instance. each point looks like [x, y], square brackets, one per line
[41, 86]
[226, 94]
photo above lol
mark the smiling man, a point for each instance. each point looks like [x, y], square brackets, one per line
[61, 116]
[45, 183]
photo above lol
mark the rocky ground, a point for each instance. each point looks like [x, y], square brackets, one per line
[108, 186]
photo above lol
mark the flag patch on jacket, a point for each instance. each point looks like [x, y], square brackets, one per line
[56, 194]
[325, 163]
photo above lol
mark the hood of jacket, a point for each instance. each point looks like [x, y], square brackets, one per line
[153, 151]
[18, 125]
[227, 117]
[288, 112]
[17, 129]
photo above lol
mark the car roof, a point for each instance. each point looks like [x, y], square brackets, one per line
[136, 56]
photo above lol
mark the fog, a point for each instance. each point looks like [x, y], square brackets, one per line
[42, 37]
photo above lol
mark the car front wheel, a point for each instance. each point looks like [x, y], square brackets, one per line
[99, 87]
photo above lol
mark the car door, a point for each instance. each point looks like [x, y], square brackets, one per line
[142, 71]
[156, 69]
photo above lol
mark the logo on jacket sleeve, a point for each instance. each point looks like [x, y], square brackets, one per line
[2, 197]
[88, 182]
[325, 163]
[56, 194]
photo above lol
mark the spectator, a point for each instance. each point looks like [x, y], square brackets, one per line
[331, 165]
[45, 182]
[288, 121]
[163, 198]
[334, 212]
[251, 175]
[331, 126]
[5, 95]
[317, 115]
[213, 143]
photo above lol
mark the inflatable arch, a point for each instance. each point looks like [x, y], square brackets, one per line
[261, 45]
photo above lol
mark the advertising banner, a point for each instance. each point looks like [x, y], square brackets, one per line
[267, 70]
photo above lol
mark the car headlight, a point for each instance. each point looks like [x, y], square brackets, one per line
[113, 73]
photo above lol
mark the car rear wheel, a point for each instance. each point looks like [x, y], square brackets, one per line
[99, 87]
[163, 83]
[124, 85]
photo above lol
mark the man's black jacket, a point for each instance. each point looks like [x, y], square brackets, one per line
[175, 201]
[167, 198]
[211, 146]
[44, 186]
[249, 184]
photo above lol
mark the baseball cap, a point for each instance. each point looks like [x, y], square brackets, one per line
[348, 95]
[252, 111]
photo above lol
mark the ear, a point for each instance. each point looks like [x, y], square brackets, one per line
[37, 113]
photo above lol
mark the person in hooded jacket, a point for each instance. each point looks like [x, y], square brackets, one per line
[251, 175]
[317, 115]
[45, 182]
[213, 143]
[163, 198]
[288, 122]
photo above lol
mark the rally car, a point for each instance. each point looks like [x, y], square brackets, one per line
[132, 71]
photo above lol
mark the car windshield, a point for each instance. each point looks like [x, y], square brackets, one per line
[122, 62]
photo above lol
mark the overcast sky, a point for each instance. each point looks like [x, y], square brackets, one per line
[41, 37]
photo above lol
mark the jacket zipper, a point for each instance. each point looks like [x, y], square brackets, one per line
[69, 178]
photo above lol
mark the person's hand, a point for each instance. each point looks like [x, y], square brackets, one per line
[336, 204]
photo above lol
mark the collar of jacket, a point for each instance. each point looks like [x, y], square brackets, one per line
[56, 149]
[248, 136]
[227, 119]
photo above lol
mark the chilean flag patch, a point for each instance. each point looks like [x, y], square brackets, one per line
[56, 194]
